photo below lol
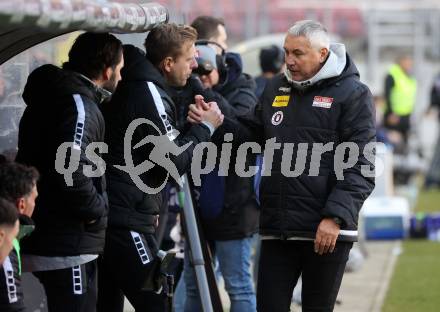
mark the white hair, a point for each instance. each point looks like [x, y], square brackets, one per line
[315, 32]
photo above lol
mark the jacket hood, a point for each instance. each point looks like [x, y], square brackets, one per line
[338, 64]
[235, 77]
[49, 81]
[137, 67]
[243, 81]
[234, 66]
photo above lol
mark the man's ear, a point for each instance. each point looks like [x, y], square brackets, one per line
[20, 203]
[2, 236]
[323, 55]
[107, 73]
[167, 64]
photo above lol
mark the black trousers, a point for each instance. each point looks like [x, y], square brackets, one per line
[72, 289]
[281, 264]
[127, 262]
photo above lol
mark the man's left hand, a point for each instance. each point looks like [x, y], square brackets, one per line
[326, 235]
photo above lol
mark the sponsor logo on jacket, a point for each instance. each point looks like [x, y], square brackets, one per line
[281, 101]
[322, 101]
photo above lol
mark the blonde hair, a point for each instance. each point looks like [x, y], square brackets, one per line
[167, 40]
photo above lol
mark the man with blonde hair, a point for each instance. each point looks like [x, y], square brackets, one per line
[145, 93]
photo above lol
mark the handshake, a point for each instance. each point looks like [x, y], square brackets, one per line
[205, 112]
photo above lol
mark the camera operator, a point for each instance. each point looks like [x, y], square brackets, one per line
[228, 208]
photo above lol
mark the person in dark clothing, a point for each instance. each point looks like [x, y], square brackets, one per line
[271, 64]
[432, 178]
[227, 204]
[145, 93]
[18, 184]
[434, 102]
[309, 216]
[70, 216]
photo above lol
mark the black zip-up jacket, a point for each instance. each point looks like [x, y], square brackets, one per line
[338, 109]
[142, 93]
[62, 107]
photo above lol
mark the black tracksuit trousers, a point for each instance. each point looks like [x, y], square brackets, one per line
[281, 264]
[72, 289]
[123, 269]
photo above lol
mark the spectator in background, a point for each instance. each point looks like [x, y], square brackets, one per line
[212, 29]
[381, 132]
[271, 63]
[62, 106]
[400, 95]
[18, 184]
[434, 103]
[9, 227]
[432, 178]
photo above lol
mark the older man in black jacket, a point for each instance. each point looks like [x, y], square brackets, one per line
[321, 114]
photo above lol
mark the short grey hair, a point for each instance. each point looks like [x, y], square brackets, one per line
[315, 32]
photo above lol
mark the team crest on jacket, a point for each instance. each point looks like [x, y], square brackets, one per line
[277, 118]
[322, 101]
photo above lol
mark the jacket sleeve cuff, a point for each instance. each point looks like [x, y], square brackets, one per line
[209, 126]
[330, 212]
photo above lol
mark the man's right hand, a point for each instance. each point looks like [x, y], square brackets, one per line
[202, 111]
[214, 115]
